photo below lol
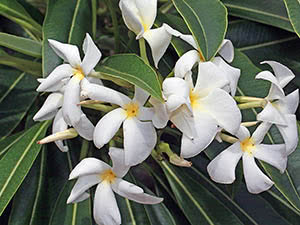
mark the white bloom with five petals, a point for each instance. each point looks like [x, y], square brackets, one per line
[139, 16]
[91, 171]
[222, 168]
[280, 109]
[72, 75]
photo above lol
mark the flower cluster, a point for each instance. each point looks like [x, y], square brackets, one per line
[202, 110]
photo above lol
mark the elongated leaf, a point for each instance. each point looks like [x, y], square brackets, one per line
[65, 21]
[207, 21]
[17, 93]
[271, 12]
[25, 65]
[197, 203]
[15, 165]
[27, 204]
[6, 143]
[15, 12]
[23, 45]
[78, 213]
[250, 87]
[293, 8]
[133, 69]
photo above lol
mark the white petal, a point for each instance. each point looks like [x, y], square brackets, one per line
[145, 113]
[160, 117]
[131, 16]
[49, 108]
[106, 210]
[222, 107]
[94, 80]
[69, 53]
[55, 77]
[222, 168]
[176, 86]
[242, 133]
[81, 198]
[84, 127]
[289, 133]
[226, 50]
[232, 74]
[288, 104]
[140, 96]
[184, 121]
[92, 55]
[88, 166]
[82, 184]
[58, 86]
[209, 78]
[273, 154]
[108, 126]
[171, 31]
[206, 128]
[271, 114]
[283, 74]
[189, 39]
[104, 94]
[276, 92]
[139, 140]
[159, 40]
[174, 102]
[147, 11]
[185, 63]
[59, 124]
[117, 156]
[256, 180]
[71, 108]
[134, 193]
[260, 132]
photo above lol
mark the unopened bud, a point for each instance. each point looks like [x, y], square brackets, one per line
[178, 161]
[63, 135]
[249, 124]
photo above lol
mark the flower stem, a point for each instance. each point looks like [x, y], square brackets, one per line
[115, 24]
[143, 50]
[84, 149]
[254, 104]
[245, 99]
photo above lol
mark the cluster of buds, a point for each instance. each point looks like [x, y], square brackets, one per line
[203, 111]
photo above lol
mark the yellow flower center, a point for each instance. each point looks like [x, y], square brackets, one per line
[145, 26]
[194, 98]
[108, 176]
[248, 145]
[132, 109]
[78, 72]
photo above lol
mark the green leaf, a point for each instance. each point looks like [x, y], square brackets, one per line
[17, 93]
[271, 12]
[207, 21]
[20, 44]
[197, 203]
[71, 214]
[28, 202]
[25, 65]
[132, 68]
[15, 12]
[258, 88]
[67, 22]
[293, 8]
[6, 143]
[15, 165]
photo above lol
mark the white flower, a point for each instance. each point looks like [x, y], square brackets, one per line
[222, 168]
[138, 131]
[91, 171]
[201, 111]
[139, 16]
[280, 109]
[70, 77]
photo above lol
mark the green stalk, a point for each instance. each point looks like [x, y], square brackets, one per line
[143, 50]
[84, 149]
[115, 24]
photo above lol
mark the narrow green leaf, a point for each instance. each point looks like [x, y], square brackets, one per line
[197, 203]
[271, 12]
[258, 88]
[25, 65]
[132, 68]
[71, 214]
[20, 44]
[6, 143]
[28, 202]
[15, 165]
[15, 12]
[207, 21]
[17, 93]
[293, 8]
[67, 22]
